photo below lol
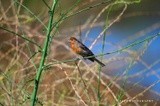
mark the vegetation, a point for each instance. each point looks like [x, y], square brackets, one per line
[38, 68]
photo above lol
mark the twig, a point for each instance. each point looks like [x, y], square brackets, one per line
[35, 43]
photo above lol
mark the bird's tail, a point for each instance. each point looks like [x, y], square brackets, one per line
[100, 63]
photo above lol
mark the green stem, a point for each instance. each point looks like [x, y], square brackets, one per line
[44, 54]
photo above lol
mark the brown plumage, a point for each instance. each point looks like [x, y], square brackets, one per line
[81, 49]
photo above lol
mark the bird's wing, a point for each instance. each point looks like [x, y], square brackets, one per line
[85, 49]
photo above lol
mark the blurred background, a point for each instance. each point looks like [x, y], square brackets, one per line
[102, 25]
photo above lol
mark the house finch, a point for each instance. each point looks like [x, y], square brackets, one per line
[81, 49]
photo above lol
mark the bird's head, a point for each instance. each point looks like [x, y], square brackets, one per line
[72, 40]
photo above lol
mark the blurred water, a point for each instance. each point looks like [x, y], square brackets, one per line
[124, 33]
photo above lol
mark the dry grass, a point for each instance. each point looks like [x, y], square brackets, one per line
[61, 83]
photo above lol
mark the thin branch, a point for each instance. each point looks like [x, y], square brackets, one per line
[80, 74]
[116, 51]
[31, 13]
[46, 4]
[14, 33]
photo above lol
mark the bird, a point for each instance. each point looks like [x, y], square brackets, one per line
[80, 49]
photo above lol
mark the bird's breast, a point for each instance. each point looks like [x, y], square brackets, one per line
[76, 48]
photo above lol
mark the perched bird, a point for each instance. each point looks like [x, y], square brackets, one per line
[81, 49]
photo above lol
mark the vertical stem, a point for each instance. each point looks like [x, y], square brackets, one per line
[103, 46]
[99, 85]
[99, 72]
[44, 54]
